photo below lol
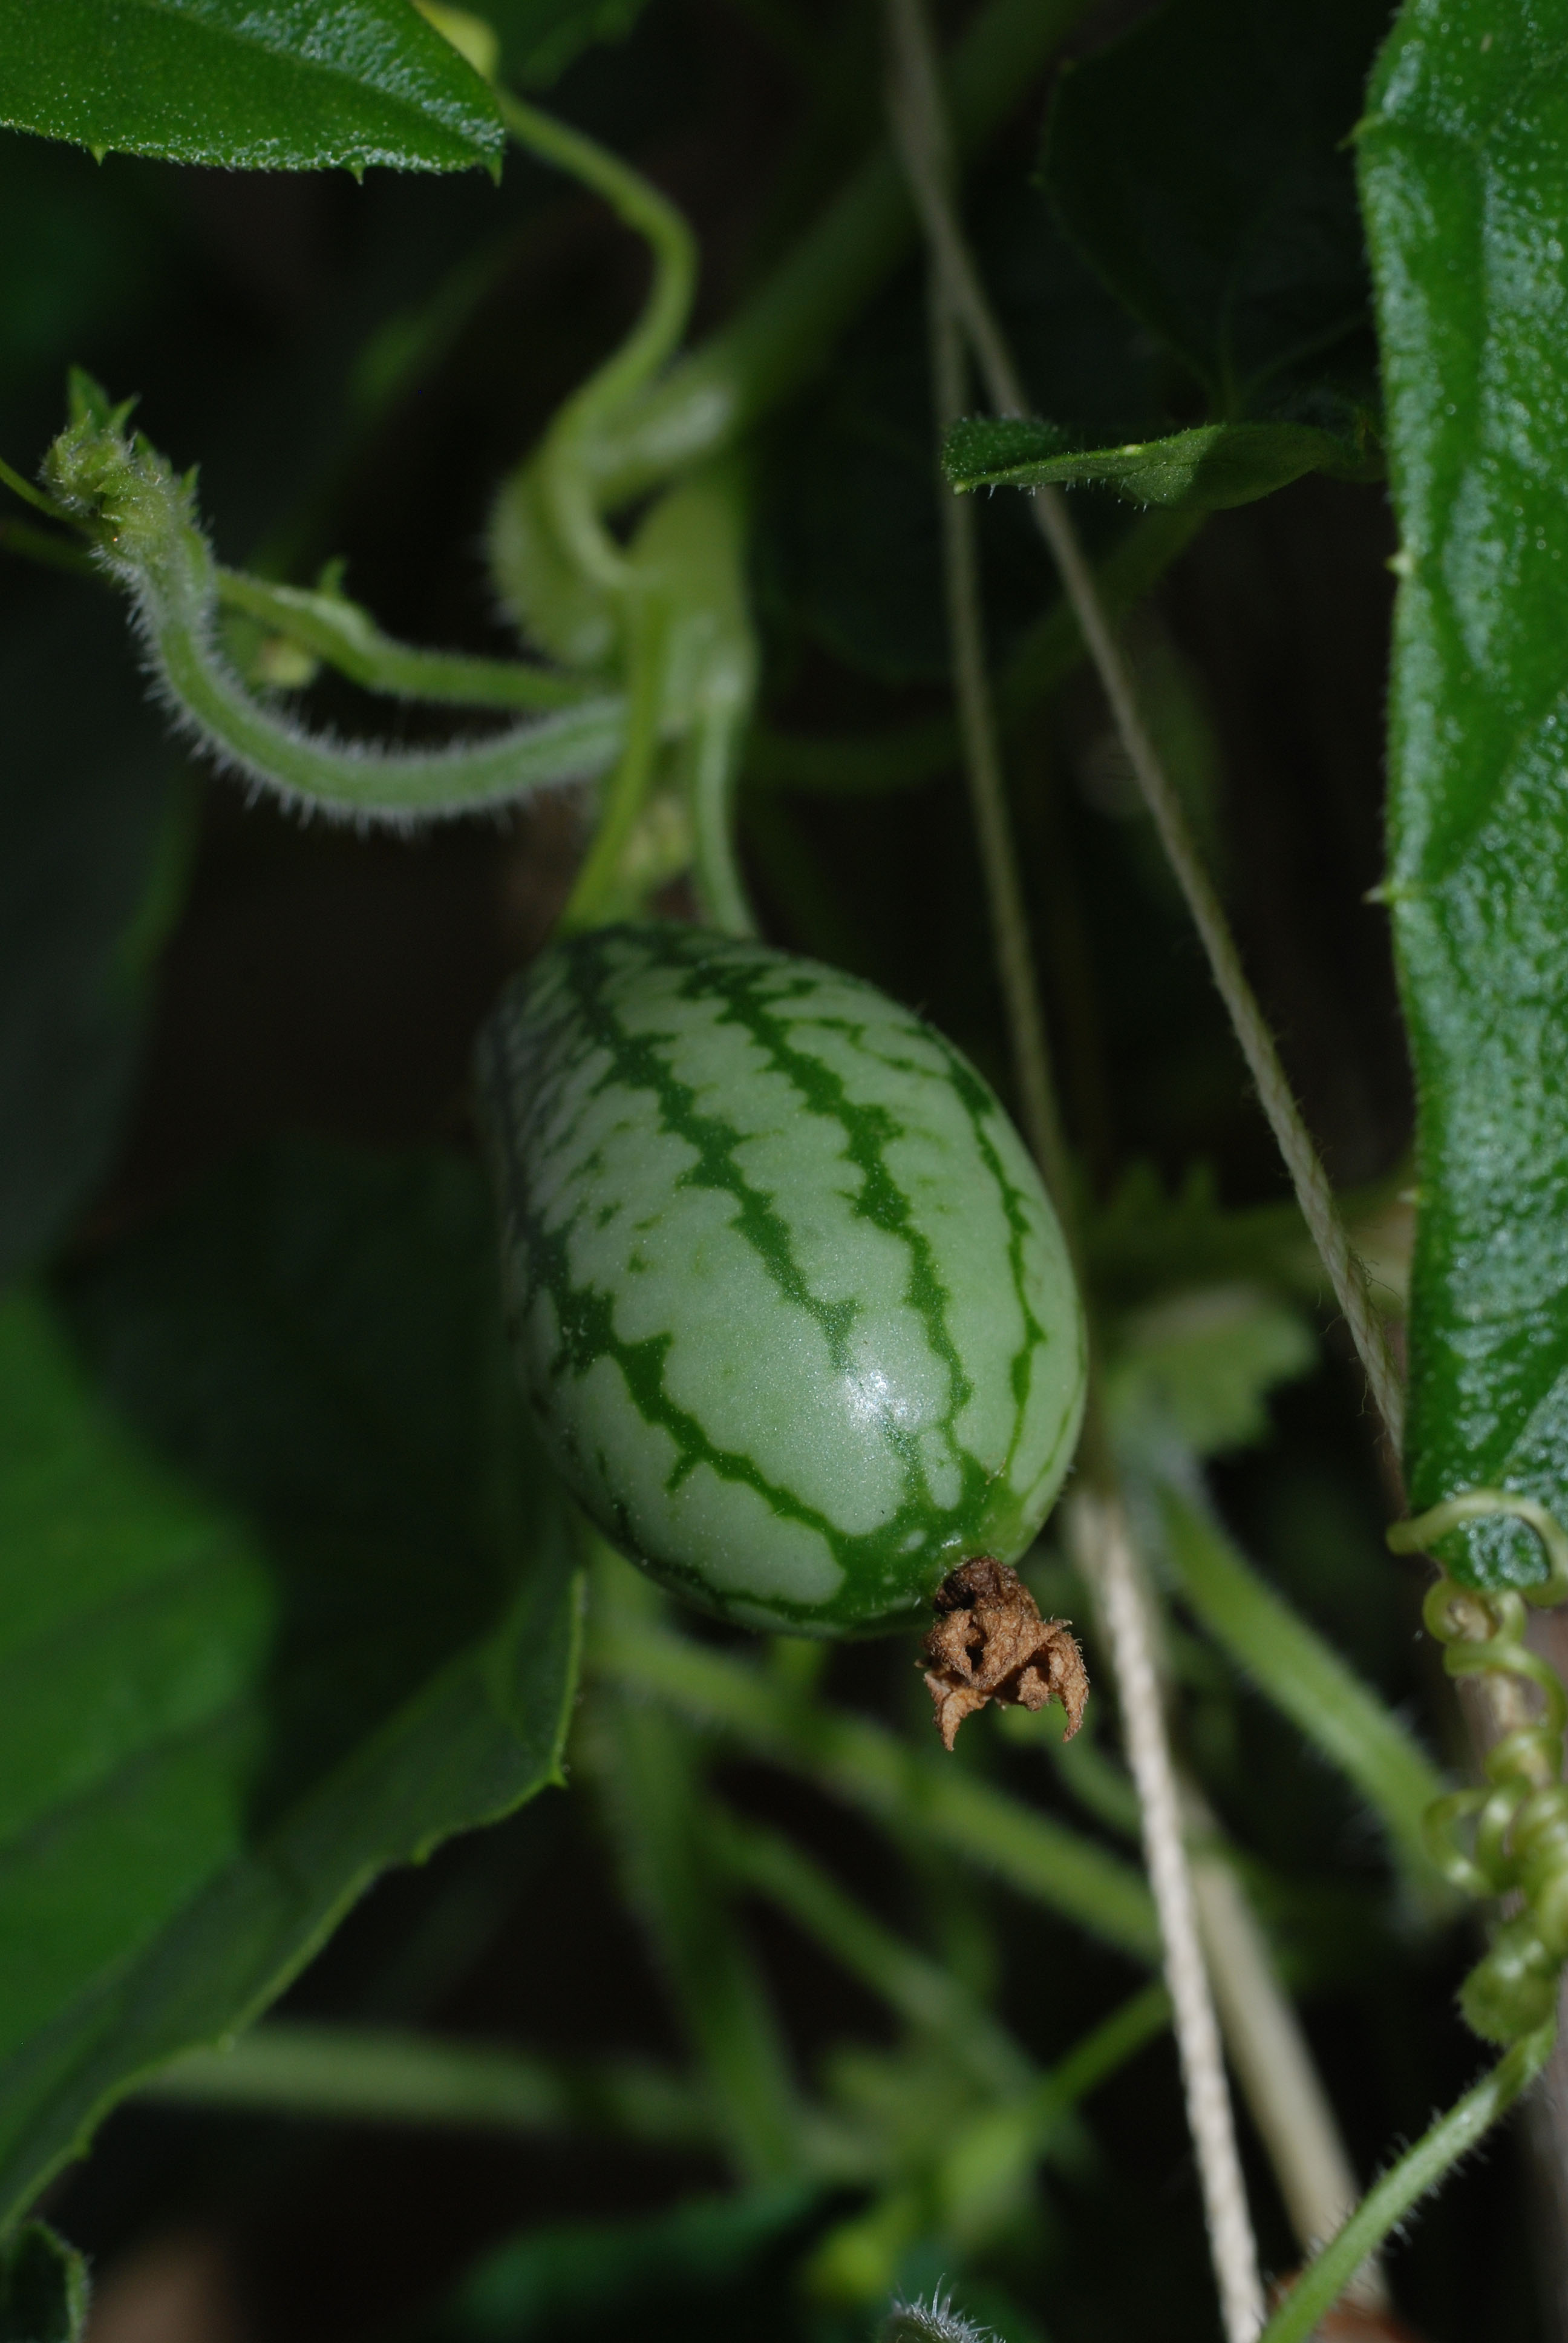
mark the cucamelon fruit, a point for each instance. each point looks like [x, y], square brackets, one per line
[790, 1302]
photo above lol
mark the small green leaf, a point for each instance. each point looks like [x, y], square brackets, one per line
[711, 2267]
[1464, 164]
[1200, 1365]
[1199, 163]
[43, 2288]
[1203, 470]
[250, 85]
[284, 1599]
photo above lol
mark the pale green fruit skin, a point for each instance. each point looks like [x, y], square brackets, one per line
[793, 1312]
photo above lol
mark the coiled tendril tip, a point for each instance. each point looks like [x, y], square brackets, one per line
[1519, 1845]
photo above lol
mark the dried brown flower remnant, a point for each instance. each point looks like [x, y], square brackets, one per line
[989, 1642]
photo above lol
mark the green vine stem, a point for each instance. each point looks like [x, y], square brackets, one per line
[713, 755]
[1012, 948]
[1306, 1680]
[1012, 2133]
[554, 564]
[30, 495]
[674, 602]
[986, 2161]
[691, 550]
[1271, 2055]
[1422, 2168]
[333, 628]
[649, 1770]
[141, 522]
[693, 677]
[924, 1994]
[877, 1774]
[784, 334]
[1519, 1818]
[353, 2074]
[566, 459]
[47, 550]
[597, 892]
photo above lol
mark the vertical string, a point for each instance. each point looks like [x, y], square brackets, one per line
[917, 101]
[1095, 1522]
[1097, 1531]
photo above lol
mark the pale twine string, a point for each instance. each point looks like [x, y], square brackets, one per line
[1098, 1535]
[917, 107]
[1099, 1522]
[1268, 2054]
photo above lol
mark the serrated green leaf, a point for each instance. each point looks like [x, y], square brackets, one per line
[1465, 180]
[1203, 470]
[43, 2288]
[285, 1598]
[249, 84]
[1200, 1365]
[1198, 162]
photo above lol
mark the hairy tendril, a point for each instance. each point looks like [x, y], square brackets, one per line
[1517, 1823]
[140, 517]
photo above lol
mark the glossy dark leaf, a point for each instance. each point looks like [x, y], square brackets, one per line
[1203, 470]
[1198, 162]
[252, 84]
[93, 821]
[286, 1598]
[1464, 163]
[43, 2288]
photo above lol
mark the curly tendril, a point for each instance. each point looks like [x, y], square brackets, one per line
[1518, 1820]
[140, 517]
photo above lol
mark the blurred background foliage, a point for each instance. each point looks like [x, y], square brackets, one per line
[202, 999]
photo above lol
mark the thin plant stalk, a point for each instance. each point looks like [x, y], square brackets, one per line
[983, 771]
[365, 2074]
[1097, 1523]
[593, 896]
[785, 333]
[568, 464]
[332, 628]
[1422, 2168]
[930, 187]
[648, 1772]
[924, 1994]
[877, 1774]
[1274, 2067]
[1307, 1681]
[1097, 1533]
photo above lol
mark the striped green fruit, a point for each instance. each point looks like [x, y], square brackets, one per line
[789, 1303]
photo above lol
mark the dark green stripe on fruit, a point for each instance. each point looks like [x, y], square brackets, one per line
[557, 1024]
